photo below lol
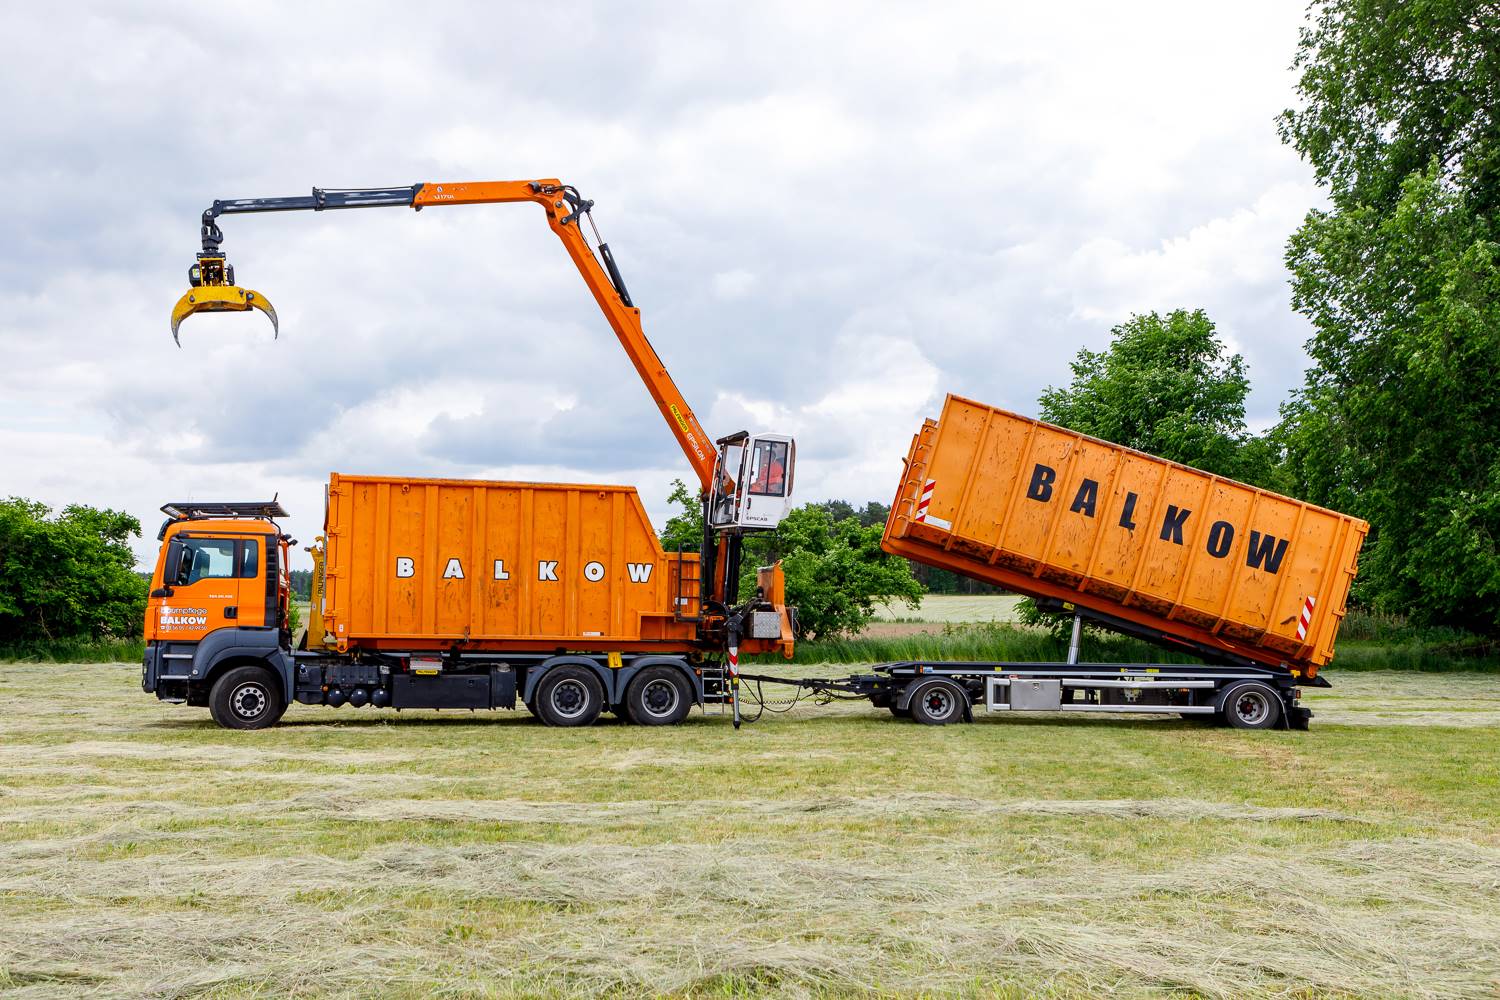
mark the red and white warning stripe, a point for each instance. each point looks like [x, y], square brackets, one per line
[734, 661]
[1306, 619]
[925, 499]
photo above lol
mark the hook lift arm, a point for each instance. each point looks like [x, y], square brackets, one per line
[214, 290]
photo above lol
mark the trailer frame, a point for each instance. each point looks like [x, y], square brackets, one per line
[1189, 690]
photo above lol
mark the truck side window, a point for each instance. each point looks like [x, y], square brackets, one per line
[768, 469]
[249, 559]
[206, 559]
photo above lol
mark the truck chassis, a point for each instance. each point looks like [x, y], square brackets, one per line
[250, 684]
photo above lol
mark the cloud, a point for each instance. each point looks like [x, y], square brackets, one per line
[828, 222]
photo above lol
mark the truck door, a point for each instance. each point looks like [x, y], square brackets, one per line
[214, 582]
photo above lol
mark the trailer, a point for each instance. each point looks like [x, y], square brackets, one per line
[1251, 583]
[940, 692]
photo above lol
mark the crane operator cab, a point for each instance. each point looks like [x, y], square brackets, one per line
[752, 482]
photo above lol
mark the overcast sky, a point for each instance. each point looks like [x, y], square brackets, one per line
[829, 218]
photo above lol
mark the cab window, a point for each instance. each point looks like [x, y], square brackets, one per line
[768, 468]
[206, 559]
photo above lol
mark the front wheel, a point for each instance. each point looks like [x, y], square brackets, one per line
[246, 698]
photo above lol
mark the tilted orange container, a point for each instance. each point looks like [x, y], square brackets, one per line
[1043, 511]
[413, 563]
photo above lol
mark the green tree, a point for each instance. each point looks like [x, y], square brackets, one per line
[835, 570]
[873, 512]
[1399, 415]
[684, 528]
[1166, 385]
[68, 576]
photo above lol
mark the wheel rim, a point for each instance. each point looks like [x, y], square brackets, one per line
[570, 699]
[938, 702]
[660, 698]
[1252, 707]
[250, 700]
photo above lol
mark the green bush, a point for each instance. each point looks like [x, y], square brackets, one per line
[67, 576]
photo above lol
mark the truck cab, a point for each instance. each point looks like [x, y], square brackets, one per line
[219, 600]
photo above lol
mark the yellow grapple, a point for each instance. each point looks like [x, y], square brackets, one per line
[214, 290]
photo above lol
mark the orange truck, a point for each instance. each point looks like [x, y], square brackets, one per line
[458, 594]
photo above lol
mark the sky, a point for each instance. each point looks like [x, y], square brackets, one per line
[830, 216]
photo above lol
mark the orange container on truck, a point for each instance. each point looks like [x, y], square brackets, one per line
[500, 567]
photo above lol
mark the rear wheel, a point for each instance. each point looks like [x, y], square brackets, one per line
[1252, 705]
[937, 704]
[569, 696]
[246, 698]
[659, 696]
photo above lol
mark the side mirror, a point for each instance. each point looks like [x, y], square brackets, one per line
[171, 567]
[162, 592]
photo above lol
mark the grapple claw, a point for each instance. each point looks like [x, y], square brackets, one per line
[221, 298]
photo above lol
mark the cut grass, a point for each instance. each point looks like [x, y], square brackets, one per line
[830, 852]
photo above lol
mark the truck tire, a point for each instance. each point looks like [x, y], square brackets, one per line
[659, 696]
[246, 698]
[1251, 705]
[569, 696]
[937, 703]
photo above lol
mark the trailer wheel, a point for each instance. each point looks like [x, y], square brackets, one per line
[246, 698]
[1251, 705]
[900, 713]
[659, 696]
[937, 703]
[569, 696]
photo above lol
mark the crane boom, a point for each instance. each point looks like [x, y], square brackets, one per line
[214, 289]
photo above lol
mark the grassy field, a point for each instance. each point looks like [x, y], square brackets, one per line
[940, 608]
[832, 851]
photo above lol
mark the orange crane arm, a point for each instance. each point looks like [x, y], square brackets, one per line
[214, 288]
